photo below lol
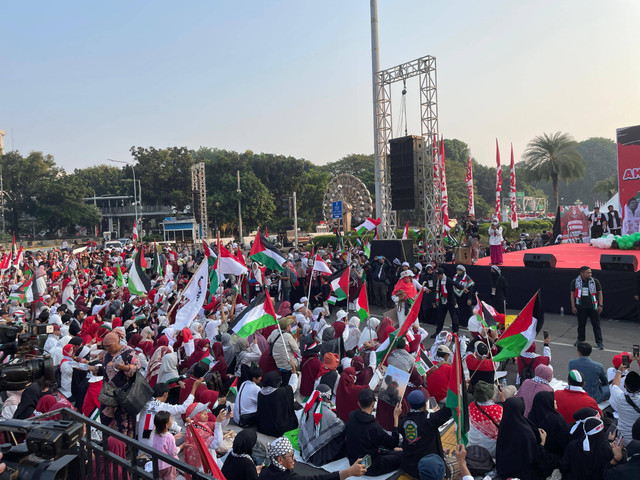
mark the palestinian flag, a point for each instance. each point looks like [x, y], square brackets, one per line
[522, 332]
[26, 293]
[138, 283]
[367, 249]
[486, 314]
[339, 282]
[265, 252]
[120, 280]
[234, 387]
[368, 225]
[456, 399]
[259, 314]
[388, 345]
[213, 274]
[157, 267]
[362, 305]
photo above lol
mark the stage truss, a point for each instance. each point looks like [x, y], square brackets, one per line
[425, 69]
[199, 192]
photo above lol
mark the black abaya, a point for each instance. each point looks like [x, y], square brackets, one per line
[276, 414]
[544, 415]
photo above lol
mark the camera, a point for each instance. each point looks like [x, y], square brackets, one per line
[15, 341]
[49, 452]
[19, 373]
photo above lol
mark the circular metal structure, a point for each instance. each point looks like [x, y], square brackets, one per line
[357, 203]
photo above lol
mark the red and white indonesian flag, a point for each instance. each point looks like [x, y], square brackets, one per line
[228, 264]
[193, 296]
[497, 214]
[368, 225]
[514, 205]
[405, 234]
[471, 207]
[522, 332]
[443, 185]
[135, 232]
[19, 257]
[259, 314]
[6, 262]
[320, 266]
[436, 175]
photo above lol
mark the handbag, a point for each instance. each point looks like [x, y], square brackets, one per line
[107, 395]
[135, 394]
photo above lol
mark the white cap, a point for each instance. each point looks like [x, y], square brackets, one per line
[405, 264]
[406, 273]
[341, 314]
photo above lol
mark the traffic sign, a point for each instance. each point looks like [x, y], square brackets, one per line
[337, 209]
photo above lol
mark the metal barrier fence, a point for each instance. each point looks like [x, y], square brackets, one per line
[97, 462]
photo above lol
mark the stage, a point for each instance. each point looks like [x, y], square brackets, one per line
[568, 255]
[554, 283]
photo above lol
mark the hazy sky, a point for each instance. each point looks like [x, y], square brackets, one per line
[85, 81]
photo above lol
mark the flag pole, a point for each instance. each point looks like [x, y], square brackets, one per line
[459, 383]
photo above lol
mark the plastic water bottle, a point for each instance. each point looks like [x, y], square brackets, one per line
[562, 311]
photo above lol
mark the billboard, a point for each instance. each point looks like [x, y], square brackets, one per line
[574, 222]
[628, 140]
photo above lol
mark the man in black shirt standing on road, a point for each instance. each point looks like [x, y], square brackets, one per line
[586, 302]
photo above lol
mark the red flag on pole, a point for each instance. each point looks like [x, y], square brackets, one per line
[436, 176]
[471, 207]
[514, 205]
[209, 464]
[498, 183]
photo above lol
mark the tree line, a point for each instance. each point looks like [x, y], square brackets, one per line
[42, 197]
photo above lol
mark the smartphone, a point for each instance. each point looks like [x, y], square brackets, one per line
[636, 350]
[545, 334]
[432, 403]
[366, 461]
[619, 438]
[625, 361]
[612, 432]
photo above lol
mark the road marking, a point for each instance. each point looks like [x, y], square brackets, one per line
[571, 345]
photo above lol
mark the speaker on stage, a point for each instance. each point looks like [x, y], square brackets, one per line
[540, 260]
[392, 249]
[406, 164]
[627, 263]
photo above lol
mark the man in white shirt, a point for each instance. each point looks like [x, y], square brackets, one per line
[158, 404]
[626, 401]
[247, 399]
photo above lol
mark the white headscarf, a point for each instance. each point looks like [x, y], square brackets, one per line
[168, 368]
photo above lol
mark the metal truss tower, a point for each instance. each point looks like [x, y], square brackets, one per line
[199, 192]
[425, 69]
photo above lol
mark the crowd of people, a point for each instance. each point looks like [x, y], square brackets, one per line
[311, 381]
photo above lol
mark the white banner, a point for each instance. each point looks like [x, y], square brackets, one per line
[193, 297]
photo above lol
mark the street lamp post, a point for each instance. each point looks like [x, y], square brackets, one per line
[135, 192]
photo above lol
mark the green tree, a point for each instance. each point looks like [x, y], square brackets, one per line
[24, 179]
[551, 158]
[356, 164]
[165, 175]
[608, 187]
[103, 180]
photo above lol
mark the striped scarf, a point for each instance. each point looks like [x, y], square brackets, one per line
[592, 292]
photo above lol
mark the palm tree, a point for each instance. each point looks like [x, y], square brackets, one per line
[553, 157]
[608, 186]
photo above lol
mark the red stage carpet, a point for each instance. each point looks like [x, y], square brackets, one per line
[569, 255]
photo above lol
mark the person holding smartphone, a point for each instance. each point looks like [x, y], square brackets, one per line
[626, 401]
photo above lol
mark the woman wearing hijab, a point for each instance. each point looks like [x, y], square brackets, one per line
[384, 329]
[201, 351]
[519, 446]
[484, 417]
[363, 374]
[120, 364]
[587, 458]
[545, 416]
[239, 464]
[246, 354]
[44, 405]
[29, 399]
[221, 365]
[327, 375]
[275, 404]
[169, 374]
[228, 348]
[310, 365]
[155, 363]
[321, 436]
[354, 334]
[347, 393]
[134, 342]
[146, 344]
[282, 462]
[368, 334]
[532, 386]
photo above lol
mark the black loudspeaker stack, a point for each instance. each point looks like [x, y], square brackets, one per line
[627, 263]
[539, 260]
[392, 249]
[406, 164]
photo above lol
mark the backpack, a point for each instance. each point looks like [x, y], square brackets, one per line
[527, 370]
